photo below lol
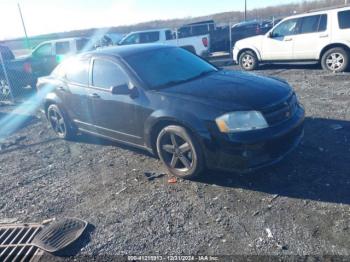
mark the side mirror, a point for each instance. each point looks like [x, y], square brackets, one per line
[121, 90]
[270, 34]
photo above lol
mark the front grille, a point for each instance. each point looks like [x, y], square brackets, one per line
[15, 243]
[281, 112]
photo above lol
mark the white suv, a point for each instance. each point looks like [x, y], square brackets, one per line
[322, 36]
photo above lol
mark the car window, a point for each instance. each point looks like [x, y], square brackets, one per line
[286, 28]
[83, 45]
[132, 39]
[169, 35]
[344, 19]
[106, 74]
[6, 53]
[76, 71]
[44, 50]
[323, 23]
[62, 48]
[313, 24]
[149, 37]
[309, 24]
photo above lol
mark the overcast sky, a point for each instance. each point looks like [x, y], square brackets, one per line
[47, 16]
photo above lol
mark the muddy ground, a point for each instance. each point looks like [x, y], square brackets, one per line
[299, 207]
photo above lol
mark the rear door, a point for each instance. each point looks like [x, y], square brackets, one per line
[313, 35]
[343, 33]
[278, 46]
[115, 116]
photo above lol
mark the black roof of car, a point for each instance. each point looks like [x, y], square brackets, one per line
[127, 50]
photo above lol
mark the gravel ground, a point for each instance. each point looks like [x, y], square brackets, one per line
[299, 207]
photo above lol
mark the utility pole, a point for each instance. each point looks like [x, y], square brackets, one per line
[245, 10]
[23, 24]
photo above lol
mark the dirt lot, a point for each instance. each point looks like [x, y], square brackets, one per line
[299, 207]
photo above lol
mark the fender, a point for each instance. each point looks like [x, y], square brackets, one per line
[257, 52]
[334, 43]
[186, 119]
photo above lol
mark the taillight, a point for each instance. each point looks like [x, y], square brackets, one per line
[27, 67]
[205, 41]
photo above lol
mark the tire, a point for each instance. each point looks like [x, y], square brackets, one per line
[335, 60]
[180, 152]
[60, 122]
[248, 61]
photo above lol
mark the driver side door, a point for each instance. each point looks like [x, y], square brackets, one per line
[278, 45]
[115, 115]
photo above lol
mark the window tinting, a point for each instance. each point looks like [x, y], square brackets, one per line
[286, 28]
[44, 50]
[323, 23]
[77, 71]
[62, 48]
[344, 19]
[106, 74]
[149, 37]
[169, 35]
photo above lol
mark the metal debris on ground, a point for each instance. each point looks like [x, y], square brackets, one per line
[153, 175]
[172, 180]
[59, 235]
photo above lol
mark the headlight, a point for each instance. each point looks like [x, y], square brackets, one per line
[241, 121]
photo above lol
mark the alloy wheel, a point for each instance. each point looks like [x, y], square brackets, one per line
[177, 152]
[335, 61]
[57, 122]
[247, 61]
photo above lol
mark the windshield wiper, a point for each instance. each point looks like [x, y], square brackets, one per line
[177, 82]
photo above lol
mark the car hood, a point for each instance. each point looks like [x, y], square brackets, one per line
[254, 40]
[236, 88]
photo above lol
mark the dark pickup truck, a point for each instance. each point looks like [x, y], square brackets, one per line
[15, 74]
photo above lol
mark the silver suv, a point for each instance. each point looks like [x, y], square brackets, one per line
[322, 36]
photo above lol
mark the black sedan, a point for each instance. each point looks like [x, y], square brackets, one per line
[173, 103]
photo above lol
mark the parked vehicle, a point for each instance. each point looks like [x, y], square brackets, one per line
[14, 74]
[320, 36]
[177, 105]
[47, 55]
[251, 28]
[195, 44]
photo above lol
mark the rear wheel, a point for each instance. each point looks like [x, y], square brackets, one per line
[335, 60]
[180, 152]
[60, 122]
[248, 61]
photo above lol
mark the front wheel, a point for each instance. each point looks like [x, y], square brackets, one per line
[335, 60]
[60, 122]
[248, 61]
[180, 152]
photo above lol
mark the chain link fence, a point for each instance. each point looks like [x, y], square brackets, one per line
[16, 79]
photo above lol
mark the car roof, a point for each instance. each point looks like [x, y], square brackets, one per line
[127, 50]
[319, 12]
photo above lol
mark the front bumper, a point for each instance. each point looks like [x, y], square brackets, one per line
[248, 151]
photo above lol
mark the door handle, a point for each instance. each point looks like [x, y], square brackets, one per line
[288, 39]
[94, 95]
[324, 36]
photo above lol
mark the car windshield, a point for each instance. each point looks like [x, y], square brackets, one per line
[166, 67]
